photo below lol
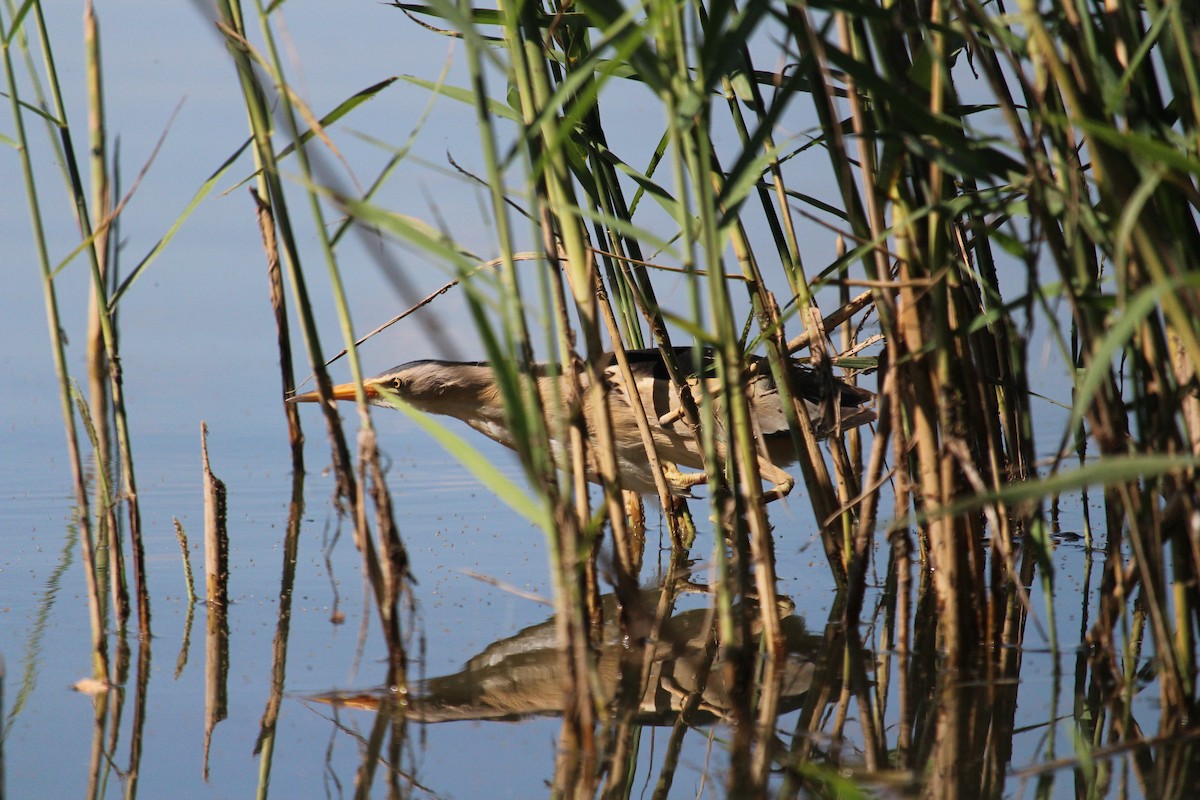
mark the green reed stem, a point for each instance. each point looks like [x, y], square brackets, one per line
[100, 663]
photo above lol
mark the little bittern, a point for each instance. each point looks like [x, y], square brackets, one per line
[468, 391]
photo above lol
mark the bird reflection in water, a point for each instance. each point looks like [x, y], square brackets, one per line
[521, 676]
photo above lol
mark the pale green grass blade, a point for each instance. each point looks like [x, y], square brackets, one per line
[1122, 330]
[478, 465]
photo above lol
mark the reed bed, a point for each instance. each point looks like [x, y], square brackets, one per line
[1062, 135]
[910, 194]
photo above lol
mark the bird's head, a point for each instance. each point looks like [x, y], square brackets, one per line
[421, 383]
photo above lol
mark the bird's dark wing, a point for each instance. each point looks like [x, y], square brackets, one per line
[650, 363]
[648, 367]
[808, 383]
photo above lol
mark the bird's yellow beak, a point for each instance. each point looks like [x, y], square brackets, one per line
[342, 391]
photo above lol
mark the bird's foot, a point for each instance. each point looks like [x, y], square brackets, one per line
[777, 492]
[682, 482]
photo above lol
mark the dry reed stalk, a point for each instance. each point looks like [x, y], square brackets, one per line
[577, 593]
[562, 230]
[639, 411]
[574, 425]
[181, 537]
[264, 745]
[107, 325]
[216, 538]
[108, 531]
[137, 735]
[185, 644]
[216, 666]
[922, 406]
[266, 227]
[754, 563]
[558, 225]
[98, 754]
[270, 190]
[393, 561]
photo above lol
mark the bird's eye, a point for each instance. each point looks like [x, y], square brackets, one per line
[397, 385]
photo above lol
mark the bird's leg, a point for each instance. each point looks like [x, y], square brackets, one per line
[635, 511]
[671, 417]
[781, 481]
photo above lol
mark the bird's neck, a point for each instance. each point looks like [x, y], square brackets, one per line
[477, 400]
[473, 395]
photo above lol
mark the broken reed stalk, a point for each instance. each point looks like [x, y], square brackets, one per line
[181, 537]
[216, 538]
[216, 676]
